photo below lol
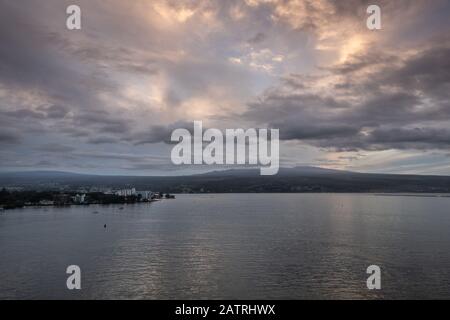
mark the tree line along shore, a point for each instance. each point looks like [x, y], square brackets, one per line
[20, 199]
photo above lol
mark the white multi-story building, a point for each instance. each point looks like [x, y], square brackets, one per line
[126, 192]
[80, 198]
[145, 195]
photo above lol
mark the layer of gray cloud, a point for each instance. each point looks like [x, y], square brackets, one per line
[134, 73]
[401, 103]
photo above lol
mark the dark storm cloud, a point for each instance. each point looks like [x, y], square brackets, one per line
[55, 111]
[117, 57]
[36, 62]
[55, 148]
[287, 106]
[160, 133]
[29, 60]
[307, 132]
[102, 122]
[417, 138]
[366, 60]
[23, 114]
[428, 72]
[162, 166]
[103, 140]
[372, 104]
[40, 113]
[387, 108]
[9, 137]
[257, 39]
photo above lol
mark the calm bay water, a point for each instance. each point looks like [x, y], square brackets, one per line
[231, 246]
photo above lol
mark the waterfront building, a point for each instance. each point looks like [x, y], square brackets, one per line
[145, 195]
[79, 198]
[126, 192]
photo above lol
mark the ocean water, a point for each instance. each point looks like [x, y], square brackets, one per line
[231, 246]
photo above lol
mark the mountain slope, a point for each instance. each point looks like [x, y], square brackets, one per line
[299, 179]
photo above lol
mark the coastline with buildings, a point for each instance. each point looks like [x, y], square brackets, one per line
[12, 199]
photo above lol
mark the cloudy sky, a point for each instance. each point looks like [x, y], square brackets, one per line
[104, 99]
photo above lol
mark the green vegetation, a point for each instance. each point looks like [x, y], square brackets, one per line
[19, 199]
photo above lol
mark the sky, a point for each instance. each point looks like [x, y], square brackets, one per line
[105, 99]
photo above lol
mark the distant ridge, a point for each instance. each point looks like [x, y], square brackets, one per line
[301, 170]
[228, 172]
[41, 173]
[297, 179]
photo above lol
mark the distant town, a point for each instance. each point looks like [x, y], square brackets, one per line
[12, 199]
